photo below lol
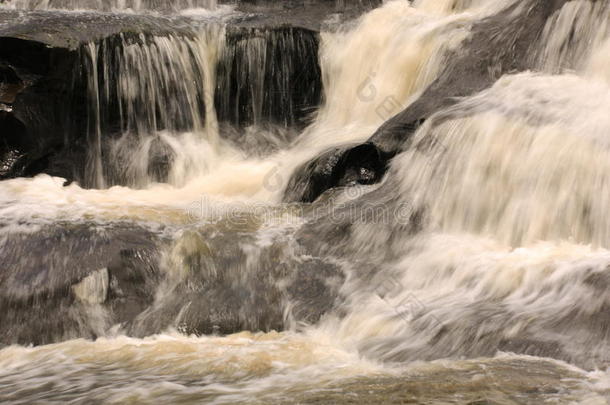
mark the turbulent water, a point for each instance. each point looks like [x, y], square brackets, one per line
[500, 296]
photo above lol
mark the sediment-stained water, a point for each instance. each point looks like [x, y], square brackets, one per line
[170, 269]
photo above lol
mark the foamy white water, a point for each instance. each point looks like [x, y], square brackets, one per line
[536, 152]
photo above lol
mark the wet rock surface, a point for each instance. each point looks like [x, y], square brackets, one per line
[338, 167]
[79, 281]
[39, 271]
[219, 280]
[36, 116]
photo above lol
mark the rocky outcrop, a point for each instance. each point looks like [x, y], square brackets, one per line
[37, 91]
[74, 281]
[336, 168]
[44, 280]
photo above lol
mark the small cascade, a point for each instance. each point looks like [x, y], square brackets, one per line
[498, 237]
[141, 85]
[373, 70]
[94, 174]
[152, 96]
[533, 149]
[268, 76]
[597, 64]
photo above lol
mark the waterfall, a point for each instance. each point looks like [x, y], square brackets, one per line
[151, 86]
[570, 36]
[472, 266]
[533, 148]
[268, 76]
[508, 190]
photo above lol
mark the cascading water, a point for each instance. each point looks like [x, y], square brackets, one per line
[162, 85]
[476, 271]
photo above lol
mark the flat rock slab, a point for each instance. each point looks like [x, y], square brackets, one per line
[70, 29]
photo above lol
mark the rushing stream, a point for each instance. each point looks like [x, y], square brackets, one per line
[172, 269]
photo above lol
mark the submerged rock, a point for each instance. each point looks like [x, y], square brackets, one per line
[79, 281]
[219, 281]
[51, 279]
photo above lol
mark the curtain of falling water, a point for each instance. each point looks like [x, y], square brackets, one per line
[572, 34]
[540, 171]
[374, 70]
[159, 85]
[268, 77]
[93, 172]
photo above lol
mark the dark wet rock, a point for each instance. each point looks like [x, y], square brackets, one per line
[294, 12]
[108, 5]
[40, 269]
[218, 286]
[12, 134]
[134, 277]
[345, 166]
[68, 30]
[161, 157]
[313, 290]
[378, 211]
[58, 29]
[35, 125]
[9, 162]
[309, 14]
[482, 59]
[78, 281]
[10, 86]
